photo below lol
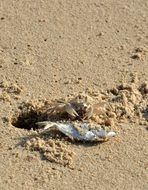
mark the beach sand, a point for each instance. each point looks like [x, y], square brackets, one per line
[51, 49]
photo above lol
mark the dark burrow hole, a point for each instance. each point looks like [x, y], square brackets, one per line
[28, 120]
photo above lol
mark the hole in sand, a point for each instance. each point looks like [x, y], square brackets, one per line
[28, 117]
[25, 120]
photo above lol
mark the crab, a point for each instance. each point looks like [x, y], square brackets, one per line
[81, 107]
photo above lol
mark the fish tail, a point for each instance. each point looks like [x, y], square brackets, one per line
[46, 124]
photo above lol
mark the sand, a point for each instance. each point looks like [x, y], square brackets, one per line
[57, 49]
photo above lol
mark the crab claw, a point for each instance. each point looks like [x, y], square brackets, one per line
[89, 113]
[71, 111]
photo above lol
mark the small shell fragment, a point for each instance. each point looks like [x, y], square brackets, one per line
[79, 131]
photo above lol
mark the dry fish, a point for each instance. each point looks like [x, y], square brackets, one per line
[79, 131]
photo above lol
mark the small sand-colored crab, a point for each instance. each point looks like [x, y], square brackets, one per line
[81, 107]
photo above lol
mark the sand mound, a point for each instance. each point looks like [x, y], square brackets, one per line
[52, 150]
